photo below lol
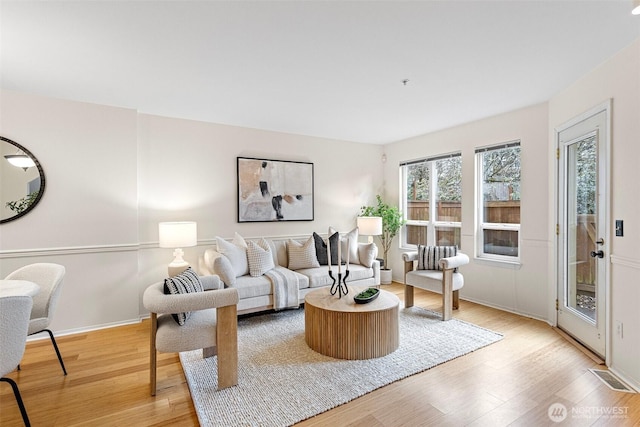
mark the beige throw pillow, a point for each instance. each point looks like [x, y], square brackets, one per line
[302, 255]
[260, 257]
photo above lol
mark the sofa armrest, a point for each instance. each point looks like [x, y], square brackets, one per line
[211, 283]
[156, 301]
[454, 261]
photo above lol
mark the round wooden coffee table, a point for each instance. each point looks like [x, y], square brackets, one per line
[340, 328]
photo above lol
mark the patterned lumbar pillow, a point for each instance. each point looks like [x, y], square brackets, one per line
[302, 255]
[184, 283]
[321, 249]
[350, 241]
[236, 253]
[260, 257]
[429, 256]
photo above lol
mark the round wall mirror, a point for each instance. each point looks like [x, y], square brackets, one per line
[21, 180]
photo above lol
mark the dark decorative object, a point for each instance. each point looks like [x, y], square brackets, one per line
[274, 190]
[321, 248]
[339, 285]
[366, 296]
[22, 187]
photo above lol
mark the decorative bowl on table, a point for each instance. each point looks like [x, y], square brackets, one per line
[366, 296]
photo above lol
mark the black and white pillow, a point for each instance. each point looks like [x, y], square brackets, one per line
[321, 249]
[429, 256]
[184, 283]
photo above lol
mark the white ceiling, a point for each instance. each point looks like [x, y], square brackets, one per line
[332, 69]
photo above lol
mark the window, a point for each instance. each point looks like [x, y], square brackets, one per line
[431, 200]
[498, 215]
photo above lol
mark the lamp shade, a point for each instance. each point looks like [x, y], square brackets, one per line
[369, 225]
[180, 234]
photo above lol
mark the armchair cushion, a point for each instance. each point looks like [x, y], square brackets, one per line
[429, 256]
[184, 283]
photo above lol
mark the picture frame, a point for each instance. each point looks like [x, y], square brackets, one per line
[274, 190]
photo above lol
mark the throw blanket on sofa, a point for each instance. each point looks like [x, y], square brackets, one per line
[285, 288]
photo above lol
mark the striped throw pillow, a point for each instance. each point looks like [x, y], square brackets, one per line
[184, 283]
[429, 256]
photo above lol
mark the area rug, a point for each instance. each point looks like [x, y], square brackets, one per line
[281, 381]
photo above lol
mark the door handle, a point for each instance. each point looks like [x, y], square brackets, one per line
[598, 254]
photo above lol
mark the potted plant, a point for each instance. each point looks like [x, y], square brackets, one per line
[392, 222]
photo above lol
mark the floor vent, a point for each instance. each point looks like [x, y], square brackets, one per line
[612, 381]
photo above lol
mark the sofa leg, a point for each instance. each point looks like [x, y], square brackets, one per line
[227, 339]
[408, 296]
[456, 300]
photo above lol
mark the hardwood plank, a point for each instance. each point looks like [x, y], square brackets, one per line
[512, 382]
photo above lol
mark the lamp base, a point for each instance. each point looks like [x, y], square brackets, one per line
[177, 268]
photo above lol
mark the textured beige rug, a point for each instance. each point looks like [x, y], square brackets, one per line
[282, 381]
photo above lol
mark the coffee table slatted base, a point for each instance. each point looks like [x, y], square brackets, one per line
[353, 332]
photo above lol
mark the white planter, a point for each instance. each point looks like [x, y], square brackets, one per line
[385, 277]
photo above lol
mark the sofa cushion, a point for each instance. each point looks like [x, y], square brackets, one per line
[321, 248]
[367, 253]
[223, 268]
[236, 252]
[348, 243]
[429, 256]
[302, 255]
[260, 257]
[184, 283]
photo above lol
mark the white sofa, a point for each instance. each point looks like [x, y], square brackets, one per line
[257, 293]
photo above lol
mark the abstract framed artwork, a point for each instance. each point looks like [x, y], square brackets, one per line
[274, 190]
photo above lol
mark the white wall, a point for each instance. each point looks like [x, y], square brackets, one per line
[521, 289]
[113, 174]
[617, 79]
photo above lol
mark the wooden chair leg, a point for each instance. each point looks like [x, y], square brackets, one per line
[408, 296]
[456, 300]
[153, 354]
[227, 340]
[408, 289]
[447, 294]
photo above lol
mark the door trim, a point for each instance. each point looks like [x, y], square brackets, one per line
[605, 107]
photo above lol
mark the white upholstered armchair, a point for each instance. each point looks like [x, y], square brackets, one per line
[211, 326]
[444, 280]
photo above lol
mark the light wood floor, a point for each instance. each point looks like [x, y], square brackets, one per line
[512, 382]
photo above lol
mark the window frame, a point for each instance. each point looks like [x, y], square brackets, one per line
[481, 225]
[432, 224]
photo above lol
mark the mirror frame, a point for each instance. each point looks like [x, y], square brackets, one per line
[42, 181]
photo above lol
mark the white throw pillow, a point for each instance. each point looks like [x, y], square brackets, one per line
[260, 257]
[349, 240]
[367, 252]
[302, 255]
[236, 253]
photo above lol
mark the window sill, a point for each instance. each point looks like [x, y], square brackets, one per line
[513, 265]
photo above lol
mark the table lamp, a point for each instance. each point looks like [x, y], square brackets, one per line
[369, 226]
[177, 235]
